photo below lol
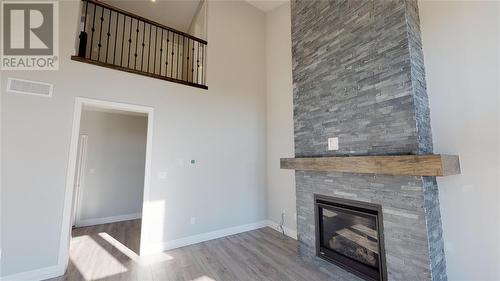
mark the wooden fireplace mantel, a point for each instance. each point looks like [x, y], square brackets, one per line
[410, 165]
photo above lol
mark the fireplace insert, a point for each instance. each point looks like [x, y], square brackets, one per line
[350, 235]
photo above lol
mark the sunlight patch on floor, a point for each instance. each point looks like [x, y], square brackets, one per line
[204, 278]
[150, 259]
[122, 248]
[87, 267]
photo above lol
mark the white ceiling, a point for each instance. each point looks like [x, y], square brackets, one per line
[177, 14]
[267, 5]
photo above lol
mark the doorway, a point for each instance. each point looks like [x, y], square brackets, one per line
[109, 173]
[109, 180]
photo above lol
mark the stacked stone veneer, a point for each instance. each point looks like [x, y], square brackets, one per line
[359, 75]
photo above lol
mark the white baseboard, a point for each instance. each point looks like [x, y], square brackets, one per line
[37, 274]
[96, 221]
[288, 231]
[190, 240]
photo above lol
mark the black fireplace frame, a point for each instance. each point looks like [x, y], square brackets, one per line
[347, 263]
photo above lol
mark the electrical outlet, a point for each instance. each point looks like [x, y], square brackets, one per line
[192, 220]
[333, 143]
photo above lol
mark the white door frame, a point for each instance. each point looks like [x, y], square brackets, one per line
[79, 179]
[63, 258]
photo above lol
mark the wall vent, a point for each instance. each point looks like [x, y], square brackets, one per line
[20, 86]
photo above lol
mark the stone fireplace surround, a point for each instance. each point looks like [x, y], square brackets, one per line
[358, 75]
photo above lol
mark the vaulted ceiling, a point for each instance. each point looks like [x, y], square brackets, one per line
[266, 5]
[177, 14]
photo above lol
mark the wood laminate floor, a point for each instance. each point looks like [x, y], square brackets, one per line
[109, 252]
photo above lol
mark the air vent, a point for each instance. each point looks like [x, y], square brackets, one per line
[27, 87]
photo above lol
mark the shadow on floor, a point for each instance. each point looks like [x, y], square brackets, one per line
[128, 233]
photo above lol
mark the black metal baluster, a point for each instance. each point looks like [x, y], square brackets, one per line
[116, 36]
[186, 54]
[100, 35]
[136, 42]
[156, 47]
[129, 44]
[85, 19]
[202, 64]
[187, 61]
[161, 48]
[108, 34]
[82, 44]
[167, 54]
[172, 61]
[149, 45]
[178, 46]
[92, 36]
[123, 40]
[143, 39]
[188, 50]
[192, 64]
[198, 64]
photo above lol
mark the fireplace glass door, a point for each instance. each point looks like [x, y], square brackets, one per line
[349, 236]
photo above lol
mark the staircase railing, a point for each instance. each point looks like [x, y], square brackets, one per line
[114, 38]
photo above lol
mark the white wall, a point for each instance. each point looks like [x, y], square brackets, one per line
[198, 27]
[113, 177]
[280, 137]
[223, 129]
[461, 43]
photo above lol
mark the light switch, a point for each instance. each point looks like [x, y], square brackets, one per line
[333, 143]
[162, 175]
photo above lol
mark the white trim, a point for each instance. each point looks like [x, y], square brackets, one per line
[63, 258]
[37, 274]
[80, 178]
[147, 176]
[288, 231]
[190, 240]
[96, 221]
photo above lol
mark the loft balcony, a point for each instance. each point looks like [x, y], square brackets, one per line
[114, 38]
